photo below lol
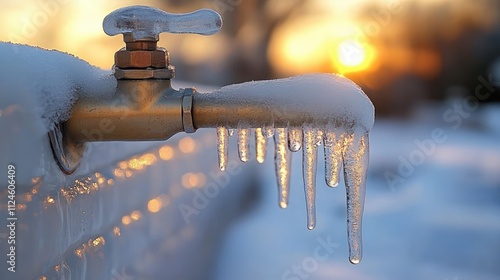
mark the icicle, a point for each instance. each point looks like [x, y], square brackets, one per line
[260, 145]
[333, 146]
[244, 144]
[268, 131]
[309, 164]
[294, 139]
[282, 164]
[356, 154]
[222, 143]
[319, 137]
[230, 132]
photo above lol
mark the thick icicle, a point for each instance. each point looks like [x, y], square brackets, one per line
[260, 145]
[319, 137]
[244, 144]
[294, 139]
[282, 164]
[333, 146]
[222, 143]
[356, 154]
[309, 166]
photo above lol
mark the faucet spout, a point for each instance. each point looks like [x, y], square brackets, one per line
[320, 99]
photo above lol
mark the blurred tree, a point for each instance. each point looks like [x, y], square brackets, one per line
[440, 45]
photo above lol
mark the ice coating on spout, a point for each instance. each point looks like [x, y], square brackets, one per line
[294, 139]
[222, 143]
[260, 145]
[318, 109]
[356, 154]
[333, 146]
[309, 166]
[244, 144]
[282, 163]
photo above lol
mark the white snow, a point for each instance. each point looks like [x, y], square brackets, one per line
[322, 97]
[37, 89]
[51, 79]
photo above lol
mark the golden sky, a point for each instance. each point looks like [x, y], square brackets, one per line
[326, 36]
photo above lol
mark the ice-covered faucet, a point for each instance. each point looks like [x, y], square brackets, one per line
[301, 112]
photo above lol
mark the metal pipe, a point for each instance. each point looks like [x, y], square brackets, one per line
[213, 112]
[138, 110]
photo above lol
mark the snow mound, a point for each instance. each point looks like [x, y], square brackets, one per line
[37, 89]
[50, 81]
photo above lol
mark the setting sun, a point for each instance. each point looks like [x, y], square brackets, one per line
[351, 53]
[320, 45]
[352, 56]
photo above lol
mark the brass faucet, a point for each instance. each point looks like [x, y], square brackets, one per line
[144, 105]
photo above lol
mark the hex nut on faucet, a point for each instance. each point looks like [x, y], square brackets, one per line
[141, 59]
[142, 74]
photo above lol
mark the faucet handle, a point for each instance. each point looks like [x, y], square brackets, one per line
[143, 23]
